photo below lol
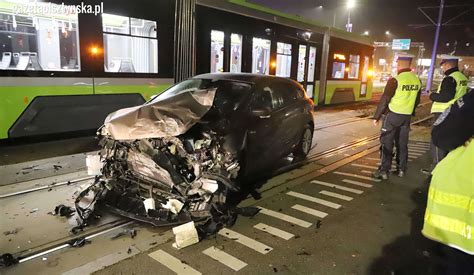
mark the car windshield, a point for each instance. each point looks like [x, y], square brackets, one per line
[229, 93]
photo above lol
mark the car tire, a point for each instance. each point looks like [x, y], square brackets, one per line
[304, 145]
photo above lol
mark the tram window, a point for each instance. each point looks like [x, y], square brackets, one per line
[338, 70]
[130, 44]
[312, 64]
[301, 63]
[115, 23]
[261, 56]
[354, 63]
[217, 51]
[142, 27]
[40, 42]
[235, 53]
[283, 64]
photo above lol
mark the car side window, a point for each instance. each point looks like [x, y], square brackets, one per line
[285, 93]
[262, 99]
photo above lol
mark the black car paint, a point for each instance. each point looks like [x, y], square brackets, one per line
[263, 140]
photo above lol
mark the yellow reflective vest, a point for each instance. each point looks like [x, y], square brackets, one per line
[461, 89]
[449, 217]
[403, 101]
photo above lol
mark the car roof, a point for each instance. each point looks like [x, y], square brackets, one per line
[246, 77]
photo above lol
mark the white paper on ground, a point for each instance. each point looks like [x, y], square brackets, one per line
[94, 165]
[185, 235]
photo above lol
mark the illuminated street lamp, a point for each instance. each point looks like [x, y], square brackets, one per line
[387, 32]
[366, 33]
[350, 6]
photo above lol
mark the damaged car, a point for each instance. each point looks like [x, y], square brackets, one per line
[182, 156]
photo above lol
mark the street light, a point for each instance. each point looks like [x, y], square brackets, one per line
[366, 33]
[350, 5]
[387, 32]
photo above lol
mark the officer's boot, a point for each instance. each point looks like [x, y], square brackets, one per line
[381, 175]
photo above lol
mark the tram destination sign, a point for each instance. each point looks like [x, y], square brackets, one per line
[401, 44]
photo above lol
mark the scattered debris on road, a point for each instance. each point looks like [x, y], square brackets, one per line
[132, 233]
[63, 211]
[12, 232]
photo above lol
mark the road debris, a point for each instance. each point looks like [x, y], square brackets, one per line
[7, 259]
[185, 235]
[34, 210]
[78, 242]
[12, 232]
[132, 233]
[63, 211]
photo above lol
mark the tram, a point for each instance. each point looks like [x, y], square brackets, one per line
[64, 72]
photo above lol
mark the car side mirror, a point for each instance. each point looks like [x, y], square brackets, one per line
[262, 112]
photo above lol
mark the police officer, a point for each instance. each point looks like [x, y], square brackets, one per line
[448, 215]
[399, 100]
[453, 86]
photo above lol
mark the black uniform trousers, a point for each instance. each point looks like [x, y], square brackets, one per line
[394, 132]
[437, 154]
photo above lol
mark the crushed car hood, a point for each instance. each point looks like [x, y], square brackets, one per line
[169, 117]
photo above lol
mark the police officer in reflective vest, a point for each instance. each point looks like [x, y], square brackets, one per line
[449, 216]
[453, 86]
[399, 100]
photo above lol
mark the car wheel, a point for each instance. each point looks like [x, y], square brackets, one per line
[303, 147]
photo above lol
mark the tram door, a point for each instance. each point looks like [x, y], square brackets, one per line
[307, 68]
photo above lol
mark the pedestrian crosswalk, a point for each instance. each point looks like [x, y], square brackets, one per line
[307, 209]
[274, 231]
[244, 240]
[225, 258]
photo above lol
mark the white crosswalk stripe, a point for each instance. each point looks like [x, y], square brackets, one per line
[315, 200]
[358, 183]
[356, 176]
[419, 151]
[420, 147]
[335, 195]
[285, 217]
[274, 231]
[426, 144]
[173, 263]
[225, 258]
[352, 190]
[373, 158]
[414, 154]
[244, 240]
[310, 211]
[364, 166]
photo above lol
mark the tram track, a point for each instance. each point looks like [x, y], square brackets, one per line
[100, 229]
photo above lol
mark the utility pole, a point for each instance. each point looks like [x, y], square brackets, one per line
[435, 47]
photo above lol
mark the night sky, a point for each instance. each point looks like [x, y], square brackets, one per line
[400, 17]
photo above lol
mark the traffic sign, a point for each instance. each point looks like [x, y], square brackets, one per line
[401, 44]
